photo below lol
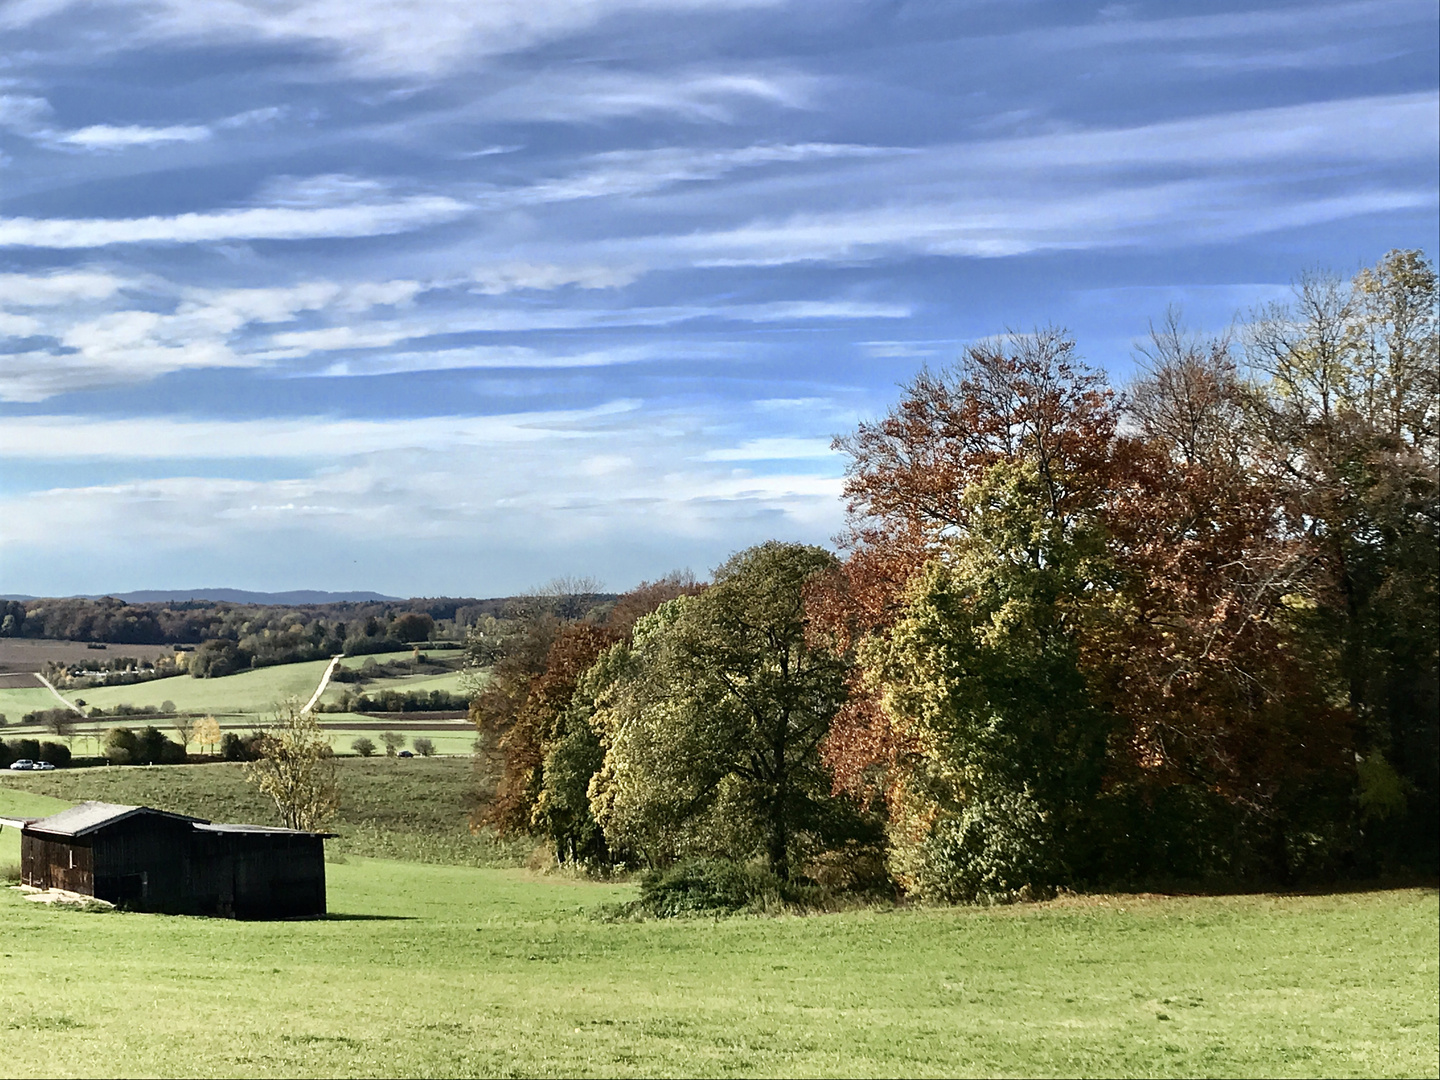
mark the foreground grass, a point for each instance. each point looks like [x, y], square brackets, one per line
[415, 808]
[432, 970]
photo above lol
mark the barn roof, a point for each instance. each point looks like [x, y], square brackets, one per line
[269, 829]
[90, 816]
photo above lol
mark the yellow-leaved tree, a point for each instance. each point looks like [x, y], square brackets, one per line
[296, 768]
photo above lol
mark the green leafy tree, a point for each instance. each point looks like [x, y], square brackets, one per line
[984, 686]
[425, 747]
[364, 746]
[713, 722]
[393, 741]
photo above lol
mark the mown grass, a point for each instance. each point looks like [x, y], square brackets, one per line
[398, 808]
[16, 701]
[434, 970]
[453, 970]
[248, 692]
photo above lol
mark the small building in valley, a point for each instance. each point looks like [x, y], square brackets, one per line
[151, 860]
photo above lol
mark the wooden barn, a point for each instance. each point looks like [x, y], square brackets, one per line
[150, 860]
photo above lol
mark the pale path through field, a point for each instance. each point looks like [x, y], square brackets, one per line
[59, 697]
[324, 682]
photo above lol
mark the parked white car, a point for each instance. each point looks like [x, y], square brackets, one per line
[23, 765]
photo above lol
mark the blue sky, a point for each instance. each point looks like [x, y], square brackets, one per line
[453, 297]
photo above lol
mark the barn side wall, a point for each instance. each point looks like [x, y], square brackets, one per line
[58, 863]
[154, 863]
[143, 863]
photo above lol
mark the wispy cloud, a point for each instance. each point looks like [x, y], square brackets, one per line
[261, 223]
[377, 37]
[569, 96]
[109, 137]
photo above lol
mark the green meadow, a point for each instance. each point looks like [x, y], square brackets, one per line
[248, 692]
[429, 969]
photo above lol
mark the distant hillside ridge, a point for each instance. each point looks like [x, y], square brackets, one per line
[293, 598]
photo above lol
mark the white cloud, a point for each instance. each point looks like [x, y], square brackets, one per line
[586, 96]
[22, 112]
[773, 449]
[374, 37]
[62, 287]
[264, 223]
[637, 172]
[490, 356]
[109, 137]
[83, 438]
[510, 277]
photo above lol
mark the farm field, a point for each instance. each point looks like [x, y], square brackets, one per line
[426, 970]
[392, 807]
[245, 693]
[32, 654]
[20, 698]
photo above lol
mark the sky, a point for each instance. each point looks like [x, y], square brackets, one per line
[454, 297]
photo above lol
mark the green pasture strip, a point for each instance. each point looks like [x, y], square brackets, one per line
[447, 971]
[254, 691]
[16, 701]
[414, 808]
[448, 682]
[449, 742]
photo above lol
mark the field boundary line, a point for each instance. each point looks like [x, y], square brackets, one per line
[324, 682]
[58, 696]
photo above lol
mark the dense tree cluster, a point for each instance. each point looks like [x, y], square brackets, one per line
[1079, 637]
[1190, 631]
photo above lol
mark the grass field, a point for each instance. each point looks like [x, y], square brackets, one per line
[451, 971]
[247, 693]
[437, 970]
[16, 701]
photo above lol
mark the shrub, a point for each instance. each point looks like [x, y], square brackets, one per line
[121, 747]
[393, 741]
[57, 754]
[234, 747]
[363, 746]
[696, 886]
[425, 747]
[3, 719]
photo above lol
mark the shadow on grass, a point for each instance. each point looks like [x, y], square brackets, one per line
[338, 916]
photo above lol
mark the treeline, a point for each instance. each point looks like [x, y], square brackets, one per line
[1079, 638]
[114, 621]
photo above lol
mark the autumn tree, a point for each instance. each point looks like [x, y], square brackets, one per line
[536, 753]
[296, 768]
[206, 732]
[1350, 429]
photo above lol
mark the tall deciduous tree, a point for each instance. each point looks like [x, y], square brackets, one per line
[713, 723]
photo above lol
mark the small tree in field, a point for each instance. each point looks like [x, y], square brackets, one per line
[425, 747]
[60, 723]
[184, 728]
[393, 741]
[206, 732]
[296, 768]
[363, 746]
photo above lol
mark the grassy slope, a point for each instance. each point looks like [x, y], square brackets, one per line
[412, 809]
[248, 692]
[431, 970]
[16, 701]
